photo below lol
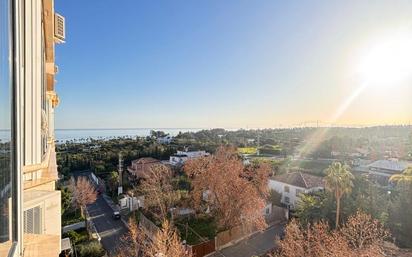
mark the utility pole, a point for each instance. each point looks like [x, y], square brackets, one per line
[120, 170]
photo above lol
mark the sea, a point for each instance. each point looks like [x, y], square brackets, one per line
[80, 135]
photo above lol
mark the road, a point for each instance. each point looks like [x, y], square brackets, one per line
[255, 245]
[110, 230]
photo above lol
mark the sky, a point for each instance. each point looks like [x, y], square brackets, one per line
[230, 64]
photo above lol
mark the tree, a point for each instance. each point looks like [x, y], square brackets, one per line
[83, 193]
[158, 190]
[258, 174]
[313, 241]
[113, 181]
[165, 243]
[339, 181]
[400, 212]
[66, 199]
[361, 235]
[314, 207]
[219, 185]
[133, 242]
[274, 197]
[405, 177]
[362, 231]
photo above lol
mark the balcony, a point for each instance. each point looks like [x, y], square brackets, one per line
[41, 245]
[41, 174]
[5, 248]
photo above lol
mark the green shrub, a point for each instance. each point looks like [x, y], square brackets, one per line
[90, 249]
[77, 237]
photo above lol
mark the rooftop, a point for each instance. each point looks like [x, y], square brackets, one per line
[389, 165]
[300, 179]
[146, 160]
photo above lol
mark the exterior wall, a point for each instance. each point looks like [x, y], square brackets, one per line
[177, 160]
[181, 156]
[280, 188]
[38, 101]
[50, 204]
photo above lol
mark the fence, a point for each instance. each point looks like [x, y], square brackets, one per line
[150, 228]
[233, 234]
[277, 215]
[203, 249]
[74, 226]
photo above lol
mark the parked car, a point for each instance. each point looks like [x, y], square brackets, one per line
[116, 215]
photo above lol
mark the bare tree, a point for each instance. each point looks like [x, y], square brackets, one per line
[84, 193]
[314, 241]
[158, 191]
[133, 243]
[360, 236]
[219, 184]
[362, 231]
[165, 243]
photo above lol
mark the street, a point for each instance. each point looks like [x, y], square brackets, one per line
[110, 230]
[255, 245]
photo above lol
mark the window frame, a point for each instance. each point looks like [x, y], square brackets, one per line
[12, 27]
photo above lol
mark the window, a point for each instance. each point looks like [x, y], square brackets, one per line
[286, 189]
[287, 200]
[32, 221]
[7, 176]
[298, 192]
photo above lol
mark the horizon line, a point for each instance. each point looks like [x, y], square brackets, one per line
[245, 128]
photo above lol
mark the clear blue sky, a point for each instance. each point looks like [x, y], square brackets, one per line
[215, 63]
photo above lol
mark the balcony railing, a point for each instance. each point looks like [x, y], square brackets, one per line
[43, 173]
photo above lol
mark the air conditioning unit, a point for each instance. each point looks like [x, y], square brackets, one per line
[59, 28]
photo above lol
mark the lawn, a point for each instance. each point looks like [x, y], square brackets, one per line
[71, 217]
[191, 229]
[247, 150]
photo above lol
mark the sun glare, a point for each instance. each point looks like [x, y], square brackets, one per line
[388, 62]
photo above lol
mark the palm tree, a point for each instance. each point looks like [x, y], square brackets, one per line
[338, 180]
[405, 177]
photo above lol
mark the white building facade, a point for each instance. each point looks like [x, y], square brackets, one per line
[182, 156]
[291, 185]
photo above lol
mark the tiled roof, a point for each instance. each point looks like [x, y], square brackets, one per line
[300, 179]
[145, 160]
[389, 165]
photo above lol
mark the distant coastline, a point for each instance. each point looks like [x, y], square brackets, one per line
[63, 135]
[85, 134]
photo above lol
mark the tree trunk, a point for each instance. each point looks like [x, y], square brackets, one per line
[81, 212]
[337, 212]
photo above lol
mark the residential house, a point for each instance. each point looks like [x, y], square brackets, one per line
[182, 156]
[291, 185]
[141, 167]
[382, 170]
[30, 218]
[165, 140]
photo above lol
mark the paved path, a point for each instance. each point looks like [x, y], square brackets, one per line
[110, 230]
[255, 245]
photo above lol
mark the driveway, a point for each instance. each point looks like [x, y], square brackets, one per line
[255, 245]
[110, 230]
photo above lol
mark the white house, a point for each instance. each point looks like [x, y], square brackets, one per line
[290, 185]
[182, 156]
[165, 140]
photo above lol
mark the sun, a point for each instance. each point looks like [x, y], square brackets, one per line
[387, 62]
